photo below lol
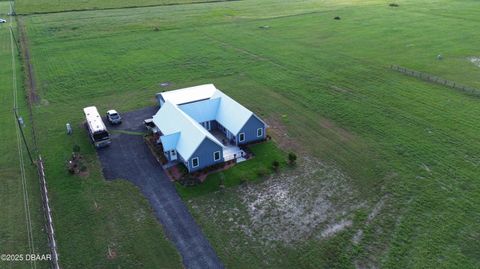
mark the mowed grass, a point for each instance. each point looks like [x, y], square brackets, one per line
[13, 222]
[327, 82]
[45, 6]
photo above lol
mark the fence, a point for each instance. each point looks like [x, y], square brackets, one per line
[435, 79]
[48, 214]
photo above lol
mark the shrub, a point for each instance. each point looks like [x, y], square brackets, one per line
[83, 168]
[275, 165]
[76, 148]
[292, 158]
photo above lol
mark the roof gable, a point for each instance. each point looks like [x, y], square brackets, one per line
[231, 114]
[169, 142]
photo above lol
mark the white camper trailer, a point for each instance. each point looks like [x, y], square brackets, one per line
[96, 128]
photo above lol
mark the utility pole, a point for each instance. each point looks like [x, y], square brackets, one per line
[23, 135]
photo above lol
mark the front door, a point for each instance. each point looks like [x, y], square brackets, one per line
[173, 155]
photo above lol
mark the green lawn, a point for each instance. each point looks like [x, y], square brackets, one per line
[248, 171]
[46, 6]
[327, 82]
[14, 226]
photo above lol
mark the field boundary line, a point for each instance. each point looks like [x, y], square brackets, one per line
[30, 82]
[126, 7]
[436, 80]
[23, 179]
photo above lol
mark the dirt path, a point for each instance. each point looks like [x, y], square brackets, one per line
[30, 77]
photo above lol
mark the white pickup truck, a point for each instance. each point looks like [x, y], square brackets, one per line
[150, 125]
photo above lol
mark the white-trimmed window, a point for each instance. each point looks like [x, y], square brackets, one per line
[259, 132]
[241, 137]
[195, 162]
[216, 155]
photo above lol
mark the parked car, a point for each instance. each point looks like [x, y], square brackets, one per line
[150, 125]
[3, 20]
[113, 117]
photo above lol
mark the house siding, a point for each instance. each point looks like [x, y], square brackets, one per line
[160, 100]
[250, 130]
[204, 152]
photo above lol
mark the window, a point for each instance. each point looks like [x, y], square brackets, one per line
[173, 153]
[241, 137]
[216, 155]
[195, 162]
[259, 132]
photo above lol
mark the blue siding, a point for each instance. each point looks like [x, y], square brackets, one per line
[250, 130]
[204, 152]
[159, 99]
[202, 111]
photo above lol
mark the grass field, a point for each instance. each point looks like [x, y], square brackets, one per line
[408, 150]
[45, 6]
[21, 231]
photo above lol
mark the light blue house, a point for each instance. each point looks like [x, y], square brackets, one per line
[201, 126]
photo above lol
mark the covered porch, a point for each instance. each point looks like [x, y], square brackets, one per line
[230, 150]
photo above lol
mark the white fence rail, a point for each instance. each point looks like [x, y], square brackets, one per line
[48, 214]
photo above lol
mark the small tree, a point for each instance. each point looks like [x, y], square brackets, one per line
[292, 158]
[275, 165]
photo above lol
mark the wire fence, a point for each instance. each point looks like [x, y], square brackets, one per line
[435, 79]
[48, 214]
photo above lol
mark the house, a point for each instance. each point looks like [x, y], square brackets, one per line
[201, 126]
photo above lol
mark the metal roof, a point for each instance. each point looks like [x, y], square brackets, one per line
[191, 94]
[169, 142]
[170, 120]
[94, 120]
[184, 109]
[230, 113]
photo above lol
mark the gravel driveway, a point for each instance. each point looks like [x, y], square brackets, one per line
[128, 157]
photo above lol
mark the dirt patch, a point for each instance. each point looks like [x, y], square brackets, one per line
[288, 208]
[111, 253]
[474, 60]
[140, 215]
[375, 211]
[279, 132]
[340, 132]
[336, 227]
